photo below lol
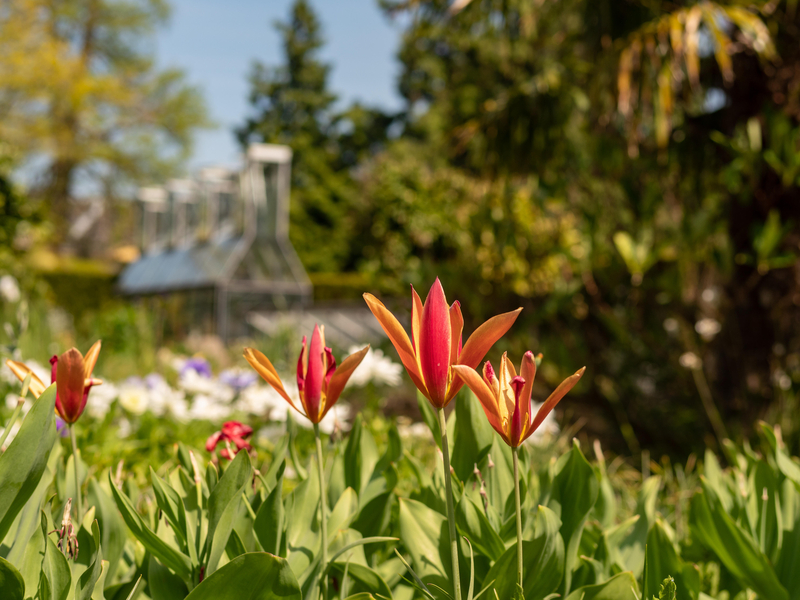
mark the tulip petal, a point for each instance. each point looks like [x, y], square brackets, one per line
[212, 441]
[487, 399]
[484, 337]
[554, 398]
[301, 368]
[434, 344]
[456, 329]
[90, 359]
[340, 377]
[21, 370]
[70, 377]
[528, 372]
[399, 339]
[516, 428]
[416, 317]
[264, 368]
[315, 373]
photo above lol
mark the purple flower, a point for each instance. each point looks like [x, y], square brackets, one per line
[198, 365]
[61, 427]
[153, 381]
[237, 379]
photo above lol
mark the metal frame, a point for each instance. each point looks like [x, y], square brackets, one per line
[264, 235]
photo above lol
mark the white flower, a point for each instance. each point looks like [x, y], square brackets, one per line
[259, 400]
[335, 419]
[100, 399]
[124, 429]
[134, 397]
[9, 289]
[376, 368]
[194, 383]
[547, 430]
[208, 408]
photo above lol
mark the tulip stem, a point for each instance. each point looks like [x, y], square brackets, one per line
[78, 503]
[451, 519]
[515, 452]
[323, 520]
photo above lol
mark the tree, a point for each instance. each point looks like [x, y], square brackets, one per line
[626, 172]
[292, 105]
[79, 88]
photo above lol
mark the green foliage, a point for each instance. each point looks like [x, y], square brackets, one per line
[251, 529]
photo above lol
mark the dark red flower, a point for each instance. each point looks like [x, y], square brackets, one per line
[233, 432]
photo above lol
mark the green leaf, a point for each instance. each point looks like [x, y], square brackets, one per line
[56, 577]
[424, 534]
[100, 584]
[177, 561]
[473, 524]
[360, 457]
[473, 435]
[31, 566]
[619, 587]
[251, 576]
[90, 576]
[430, 417]
[28, 520]
[171, 505]
[235, 546]
[543, 561]
[668, 590]
[163, 583]
[25, 459]
[11, 582]
[302, 525]
[573, 495]
[662, 561]
[366, 578]
[222, 506]
[112, 529]
[269, 518]
[631, 547]
[716, 530]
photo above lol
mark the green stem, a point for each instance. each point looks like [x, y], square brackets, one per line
[323, 520]
[78, 504]
[519, 515]
[11, 421]
[451, 519]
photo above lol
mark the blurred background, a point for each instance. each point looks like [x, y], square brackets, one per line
[628, 171]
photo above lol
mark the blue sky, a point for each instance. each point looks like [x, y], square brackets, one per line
[216, 41]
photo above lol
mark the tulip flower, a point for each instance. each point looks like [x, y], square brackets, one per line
[436, 341]
[232, 431]
[506, 400]
[72, 390]
[319, 380]
[429, 356]
[72, 374]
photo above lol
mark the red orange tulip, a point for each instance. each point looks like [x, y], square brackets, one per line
[436, 341]
[319, 380]
[506, 399]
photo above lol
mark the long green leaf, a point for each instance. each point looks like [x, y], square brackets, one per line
[25, 459]
[251, 576]
[177, 561]
[716, 530]
[11, 582]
